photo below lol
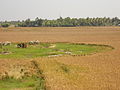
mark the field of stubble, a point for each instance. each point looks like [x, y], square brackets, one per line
[100, 71]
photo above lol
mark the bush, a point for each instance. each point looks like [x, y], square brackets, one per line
[5, 25]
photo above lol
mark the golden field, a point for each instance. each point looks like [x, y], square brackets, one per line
[99, 71]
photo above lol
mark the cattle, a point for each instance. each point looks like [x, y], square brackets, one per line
[31, 43]
[22, 45]
[35, 42]
[6, 43]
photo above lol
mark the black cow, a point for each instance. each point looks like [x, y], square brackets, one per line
[22, 45]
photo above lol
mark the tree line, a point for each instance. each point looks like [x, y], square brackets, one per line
[63, 22]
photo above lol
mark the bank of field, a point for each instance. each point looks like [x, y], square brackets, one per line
[98, 69]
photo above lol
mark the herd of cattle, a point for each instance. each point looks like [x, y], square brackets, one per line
[20, 45]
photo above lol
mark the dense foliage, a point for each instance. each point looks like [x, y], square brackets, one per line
[64, 22]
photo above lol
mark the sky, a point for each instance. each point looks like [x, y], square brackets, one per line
[52, 9]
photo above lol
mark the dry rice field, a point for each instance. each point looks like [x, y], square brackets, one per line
[100, 71]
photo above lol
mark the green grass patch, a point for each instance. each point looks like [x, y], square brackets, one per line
[27, 83]
[44, 49]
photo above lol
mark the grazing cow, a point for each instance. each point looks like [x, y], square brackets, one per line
[6, 43]
[34, 42]
[22, 45]
[31, 43]
[19, 45]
